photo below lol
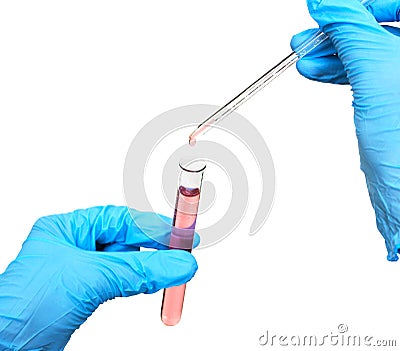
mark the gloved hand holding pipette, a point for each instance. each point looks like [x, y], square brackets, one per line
[368, 58]
[72, 263]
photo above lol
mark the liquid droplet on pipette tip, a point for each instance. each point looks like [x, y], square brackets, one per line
[192, 141]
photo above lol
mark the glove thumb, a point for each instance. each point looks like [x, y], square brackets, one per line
[347, 22]
[357, 37]
[338, 12]
[130, 273]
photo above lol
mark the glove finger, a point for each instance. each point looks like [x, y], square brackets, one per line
[323, 69]
[97, 227]
[385, 10]
[86, 228]
[125, 274]
[156, 229]
[321, 64]
[122, 247]
[326, 48]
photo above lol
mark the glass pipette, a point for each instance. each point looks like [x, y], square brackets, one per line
[302, 50]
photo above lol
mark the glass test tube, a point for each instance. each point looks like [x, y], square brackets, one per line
[182, 233]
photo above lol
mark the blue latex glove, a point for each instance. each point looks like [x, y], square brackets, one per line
[59, 279]
[368, 58]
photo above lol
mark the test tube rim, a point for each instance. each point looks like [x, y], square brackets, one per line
[184, 163]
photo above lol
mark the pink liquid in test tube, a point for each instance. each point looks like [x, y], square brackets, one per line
[182, 233]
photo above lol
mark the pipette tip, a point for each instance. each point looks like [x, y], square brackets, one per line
[192, 141]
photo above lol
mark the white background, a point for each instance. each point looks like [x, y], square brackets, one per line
[78, 79]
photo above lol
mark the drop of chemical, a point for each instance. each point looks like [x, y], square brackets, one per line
[192, 141]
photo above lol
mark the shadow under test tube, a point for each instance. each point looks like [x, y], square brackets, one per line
[182, 233]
